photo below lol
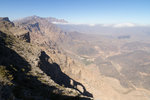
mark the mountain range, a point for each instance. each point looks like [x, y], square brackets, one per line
[42, 60]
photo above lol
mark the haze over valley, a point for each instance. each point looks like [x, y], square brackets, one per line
[75, 50]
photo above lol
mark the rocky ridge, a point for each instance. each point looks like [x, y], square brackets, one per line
[30, 71]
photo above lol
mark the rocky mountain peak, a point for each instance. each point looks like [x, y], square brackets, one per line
[4, 19]
[37, 18]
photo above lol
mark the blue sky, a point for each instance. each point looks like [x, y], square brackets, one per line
[80, 11]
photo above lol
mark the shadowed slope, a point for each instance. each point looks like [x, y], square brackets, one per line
[21, 84]
[53, 70]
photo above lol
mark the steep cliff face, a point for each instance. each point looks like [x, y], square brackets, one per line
[50, 38]
[30, 72]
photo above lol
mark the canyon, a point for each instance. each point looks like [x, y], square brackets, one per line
[49, 59]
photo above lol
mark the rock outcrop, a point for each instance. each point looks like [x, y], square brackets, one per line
[7, 25]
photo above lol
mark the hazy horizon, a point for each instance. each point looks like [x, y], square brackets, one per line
[81, 11]
[75, 50]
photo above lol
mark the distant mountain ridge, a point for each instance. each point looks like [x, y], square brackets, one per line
[49, 19]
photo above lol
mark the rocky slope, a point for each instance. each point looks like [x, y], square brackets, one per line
[46, 59]
[97, 72]
[30, 70]
[41, 27]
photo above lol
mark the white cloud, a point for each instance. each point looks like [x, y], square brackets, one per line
[120, 25]
[72, 23]
[124, 25]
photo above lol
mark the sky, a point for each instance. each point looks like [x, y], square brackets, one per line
[80, 11]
